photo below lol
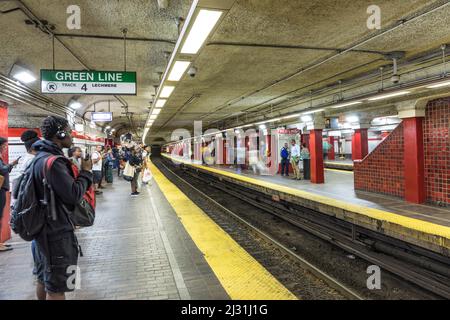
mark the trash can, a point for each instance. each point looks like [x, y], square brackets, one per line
[307, 169]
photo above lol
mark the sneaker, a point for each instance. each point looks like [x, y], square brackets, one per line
[134, 194]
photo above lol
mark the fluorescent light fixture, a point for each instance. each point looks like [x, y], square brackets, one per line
[153, 117]
[24, 77]
[178, 69]
[352, 119]
[439, 85]
[160, 103]
[202, 27]
[156, 111]
[306, 118]
[314, 111]
[292, 116]
[75, 105]
[389, 95]
[166, 91]
[262, 126]
[108, 127]
[346, 104]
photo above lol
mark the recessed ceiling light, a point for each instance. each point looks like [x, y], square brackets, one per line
[153, 117]
[166, 91]
[75, 105]
[178, 70]
[160, 103]
[25, 77]
[306, 118]
[389, 95]
[202, 27]
[156, 111]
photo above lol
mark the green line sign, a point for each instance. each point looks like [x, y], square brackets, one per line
[88, 82]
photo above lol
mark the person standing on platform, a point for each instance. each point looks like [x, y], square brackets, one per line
[57, 248]
[109, 165]
[136, 161]
[97, 168]
[305, 156]
[75, 155]
[295, 159]
[5, 169]
[285, 160]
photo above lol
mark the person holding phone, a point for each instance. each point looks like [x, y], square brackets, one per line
[5, 169]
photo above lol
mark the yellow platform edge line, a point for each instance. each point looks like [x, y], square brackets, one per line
[378, 214]
[242, 277]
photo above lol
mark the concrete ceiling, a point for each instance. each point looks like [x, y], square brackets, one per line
[257, 43]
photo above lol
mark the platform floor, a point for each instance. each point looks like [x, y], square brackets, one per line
[137, 249]
[339, 185]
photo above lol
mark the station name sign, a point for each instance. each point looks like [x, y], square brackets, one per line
[101, 116]
[88, 82]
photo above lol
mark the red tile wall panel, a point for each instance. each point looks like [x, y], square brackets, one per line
[382, 171]
[437, 151]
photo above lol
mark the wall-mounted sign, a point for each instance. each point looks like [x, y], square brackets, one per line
[288, 131]
[101, 116]
[88, 82]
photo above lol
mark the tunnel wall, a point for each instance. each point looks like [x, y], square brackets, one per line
[382, 170]
[437, 151]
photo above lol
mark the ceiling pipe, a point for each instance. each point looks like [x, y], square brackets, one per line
[94, 36]
[295, 47]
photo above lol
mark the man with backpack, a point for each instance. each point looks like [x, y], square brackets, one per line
[59, 192]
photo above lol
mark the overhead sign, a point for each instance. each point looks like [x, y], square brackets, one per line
[288, 131]
[101, 116]
[88, 82]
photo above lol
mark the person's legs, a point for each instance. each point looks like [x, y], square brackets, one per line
[56, 296]
[40, 291]
[287, 168]
[134, 185]
[283, 161]
[2, 207]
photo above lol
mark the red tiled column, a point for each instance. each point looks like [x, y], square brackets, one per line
[414, 160]
[316, 151]
[331, 155]
[5, 232]
[360, 144]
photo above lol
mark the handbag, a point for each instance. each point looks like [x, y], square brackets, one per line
[147, 176]
[128, 172]
[2, 181]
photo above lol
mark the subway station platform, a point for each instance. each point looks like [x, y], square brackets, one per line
[422, 225]
[150, 247]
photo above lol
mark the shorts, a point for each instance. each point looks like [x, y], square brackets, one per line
[59, 274]
[97, 176]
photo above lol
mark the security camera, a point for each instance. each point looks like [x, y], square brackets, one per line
[192, 72]
[395, 78]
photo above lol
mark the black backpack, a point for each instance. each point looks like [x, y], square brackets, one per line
[29, 214]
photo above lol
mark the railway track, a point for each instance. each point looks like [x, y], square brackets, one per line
[421, 268]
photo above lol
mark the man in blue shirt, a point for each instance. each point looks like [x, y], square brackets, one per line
[284, 160]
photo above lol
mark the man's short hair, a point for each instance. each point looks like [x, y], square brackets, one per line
[51, 125]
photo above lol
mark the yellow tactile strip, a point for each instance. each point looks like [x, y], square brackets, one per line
[242, 277]
[409, 223]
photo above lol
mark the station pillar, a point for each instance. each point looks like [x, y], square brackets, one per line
[360, 144]
[5, 231]
[316, 152]
[331, 154]
[413, 154]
